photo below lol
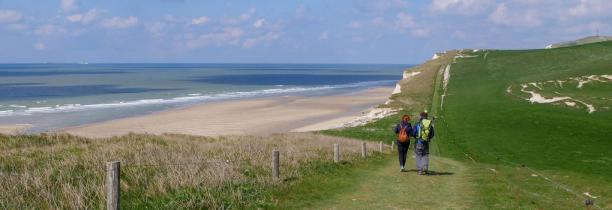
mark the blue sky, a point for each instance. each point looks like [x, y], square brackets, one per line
[309, 31]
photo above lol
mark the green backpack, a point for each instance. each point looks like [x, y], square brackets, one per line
[424, 129]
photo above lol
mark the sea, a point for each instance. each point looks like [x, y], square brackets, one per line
[55, 96]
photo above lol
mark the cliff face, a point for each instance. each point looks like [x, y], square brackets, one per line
[415, 90]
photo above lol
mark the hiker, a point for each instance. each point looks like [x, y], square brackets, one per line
[423, 134]
[403, 131]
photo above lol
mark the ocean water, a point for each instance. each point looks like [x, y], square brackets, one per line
[56, 96]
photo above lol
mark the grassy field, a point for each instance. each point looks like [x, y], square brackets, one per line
[564, 149]
[161, 172]
[566, 143]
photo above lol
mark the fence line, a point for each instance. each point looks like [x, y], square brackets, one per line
[112, 171]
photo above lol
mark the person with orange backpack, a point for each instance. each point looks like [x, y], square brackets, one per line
[423, 134]
[403, 131]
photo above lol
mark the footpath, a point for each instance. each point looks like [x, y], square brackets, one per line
[384, 187]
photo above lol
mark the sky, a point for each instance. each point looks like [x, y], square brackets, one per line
[308, 31]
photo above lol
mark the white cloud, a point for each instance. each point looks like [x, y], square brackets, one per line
[247, 15]
[84, 18]
[522, 18]
[378, 21]
[39, 46]
[229, 36]
[466, 7]
[75, 18]
[200, 20]
[157, 29]
[324, 35]
[259, 23]
[591, 7]
[170, 18]
[589, 28]
[268, 37]
[404, 21]
[420, 32]
[354, 24]
[69, 5]
[9, 16]
[459, 34]
[120, 23]
[380, 7]
[17, 27]
[242, 17]
[49, 29]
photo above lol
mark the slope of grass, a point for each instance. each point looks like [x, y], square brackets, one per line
[59, 171]
[565, 151]
[482, 119]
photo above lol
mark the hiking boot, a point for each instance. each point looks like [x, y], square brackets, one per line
[402, 169]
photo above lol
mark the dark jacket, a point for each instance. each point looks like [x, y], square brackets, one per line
[408, 127]
[416, 129]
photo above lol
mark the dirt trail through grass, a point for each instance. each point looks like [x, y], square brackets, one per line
[387, 188]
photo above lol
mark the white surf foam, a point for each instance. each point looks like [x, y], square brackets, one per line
[196, 97]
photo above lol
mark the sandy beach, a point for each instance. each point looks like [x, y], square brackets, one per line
[250, 116]
[14, 129]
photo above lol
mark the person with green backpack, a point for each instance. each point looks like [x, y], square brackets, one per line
[403, 131]
[423, 133]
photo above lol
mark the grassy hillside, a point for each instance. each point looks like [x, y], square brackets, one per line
[487, 123]
[488, 116]
[161, 172]
[586, 40]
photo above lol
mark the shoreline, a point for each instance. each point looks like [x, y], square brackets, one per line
[257, 116]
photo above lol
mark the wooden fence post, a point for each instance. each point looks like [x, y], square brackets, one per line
[364, 150]
[275, 165]
[336, 153]
[113, 169]
[380, 147]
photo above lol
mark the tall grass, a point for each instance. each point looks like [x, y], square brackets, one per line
[61, 171]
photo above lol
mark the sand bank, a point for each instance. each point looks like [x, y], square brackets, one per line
[251, 116]
[14, 129]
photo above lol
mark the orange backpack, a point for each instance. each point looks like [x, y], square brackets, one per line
[403, 135]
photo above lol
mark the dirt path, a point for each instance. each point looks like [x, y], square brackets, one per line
[387, 188]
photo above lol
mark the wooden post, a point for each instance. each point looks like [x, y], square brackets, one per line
[380, 147]
[336, 153]
[496, 168]
[392, 145]
[589, 203]
[113, 170]
[275, 165]
[364, 150]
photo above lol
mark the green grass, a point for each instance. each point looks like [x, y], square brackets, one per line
[381, 130]
[485, 121]
[324, 181]
[482, 121]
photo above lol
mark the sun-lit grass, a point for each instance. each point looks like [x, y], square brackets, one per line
[160, 172]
